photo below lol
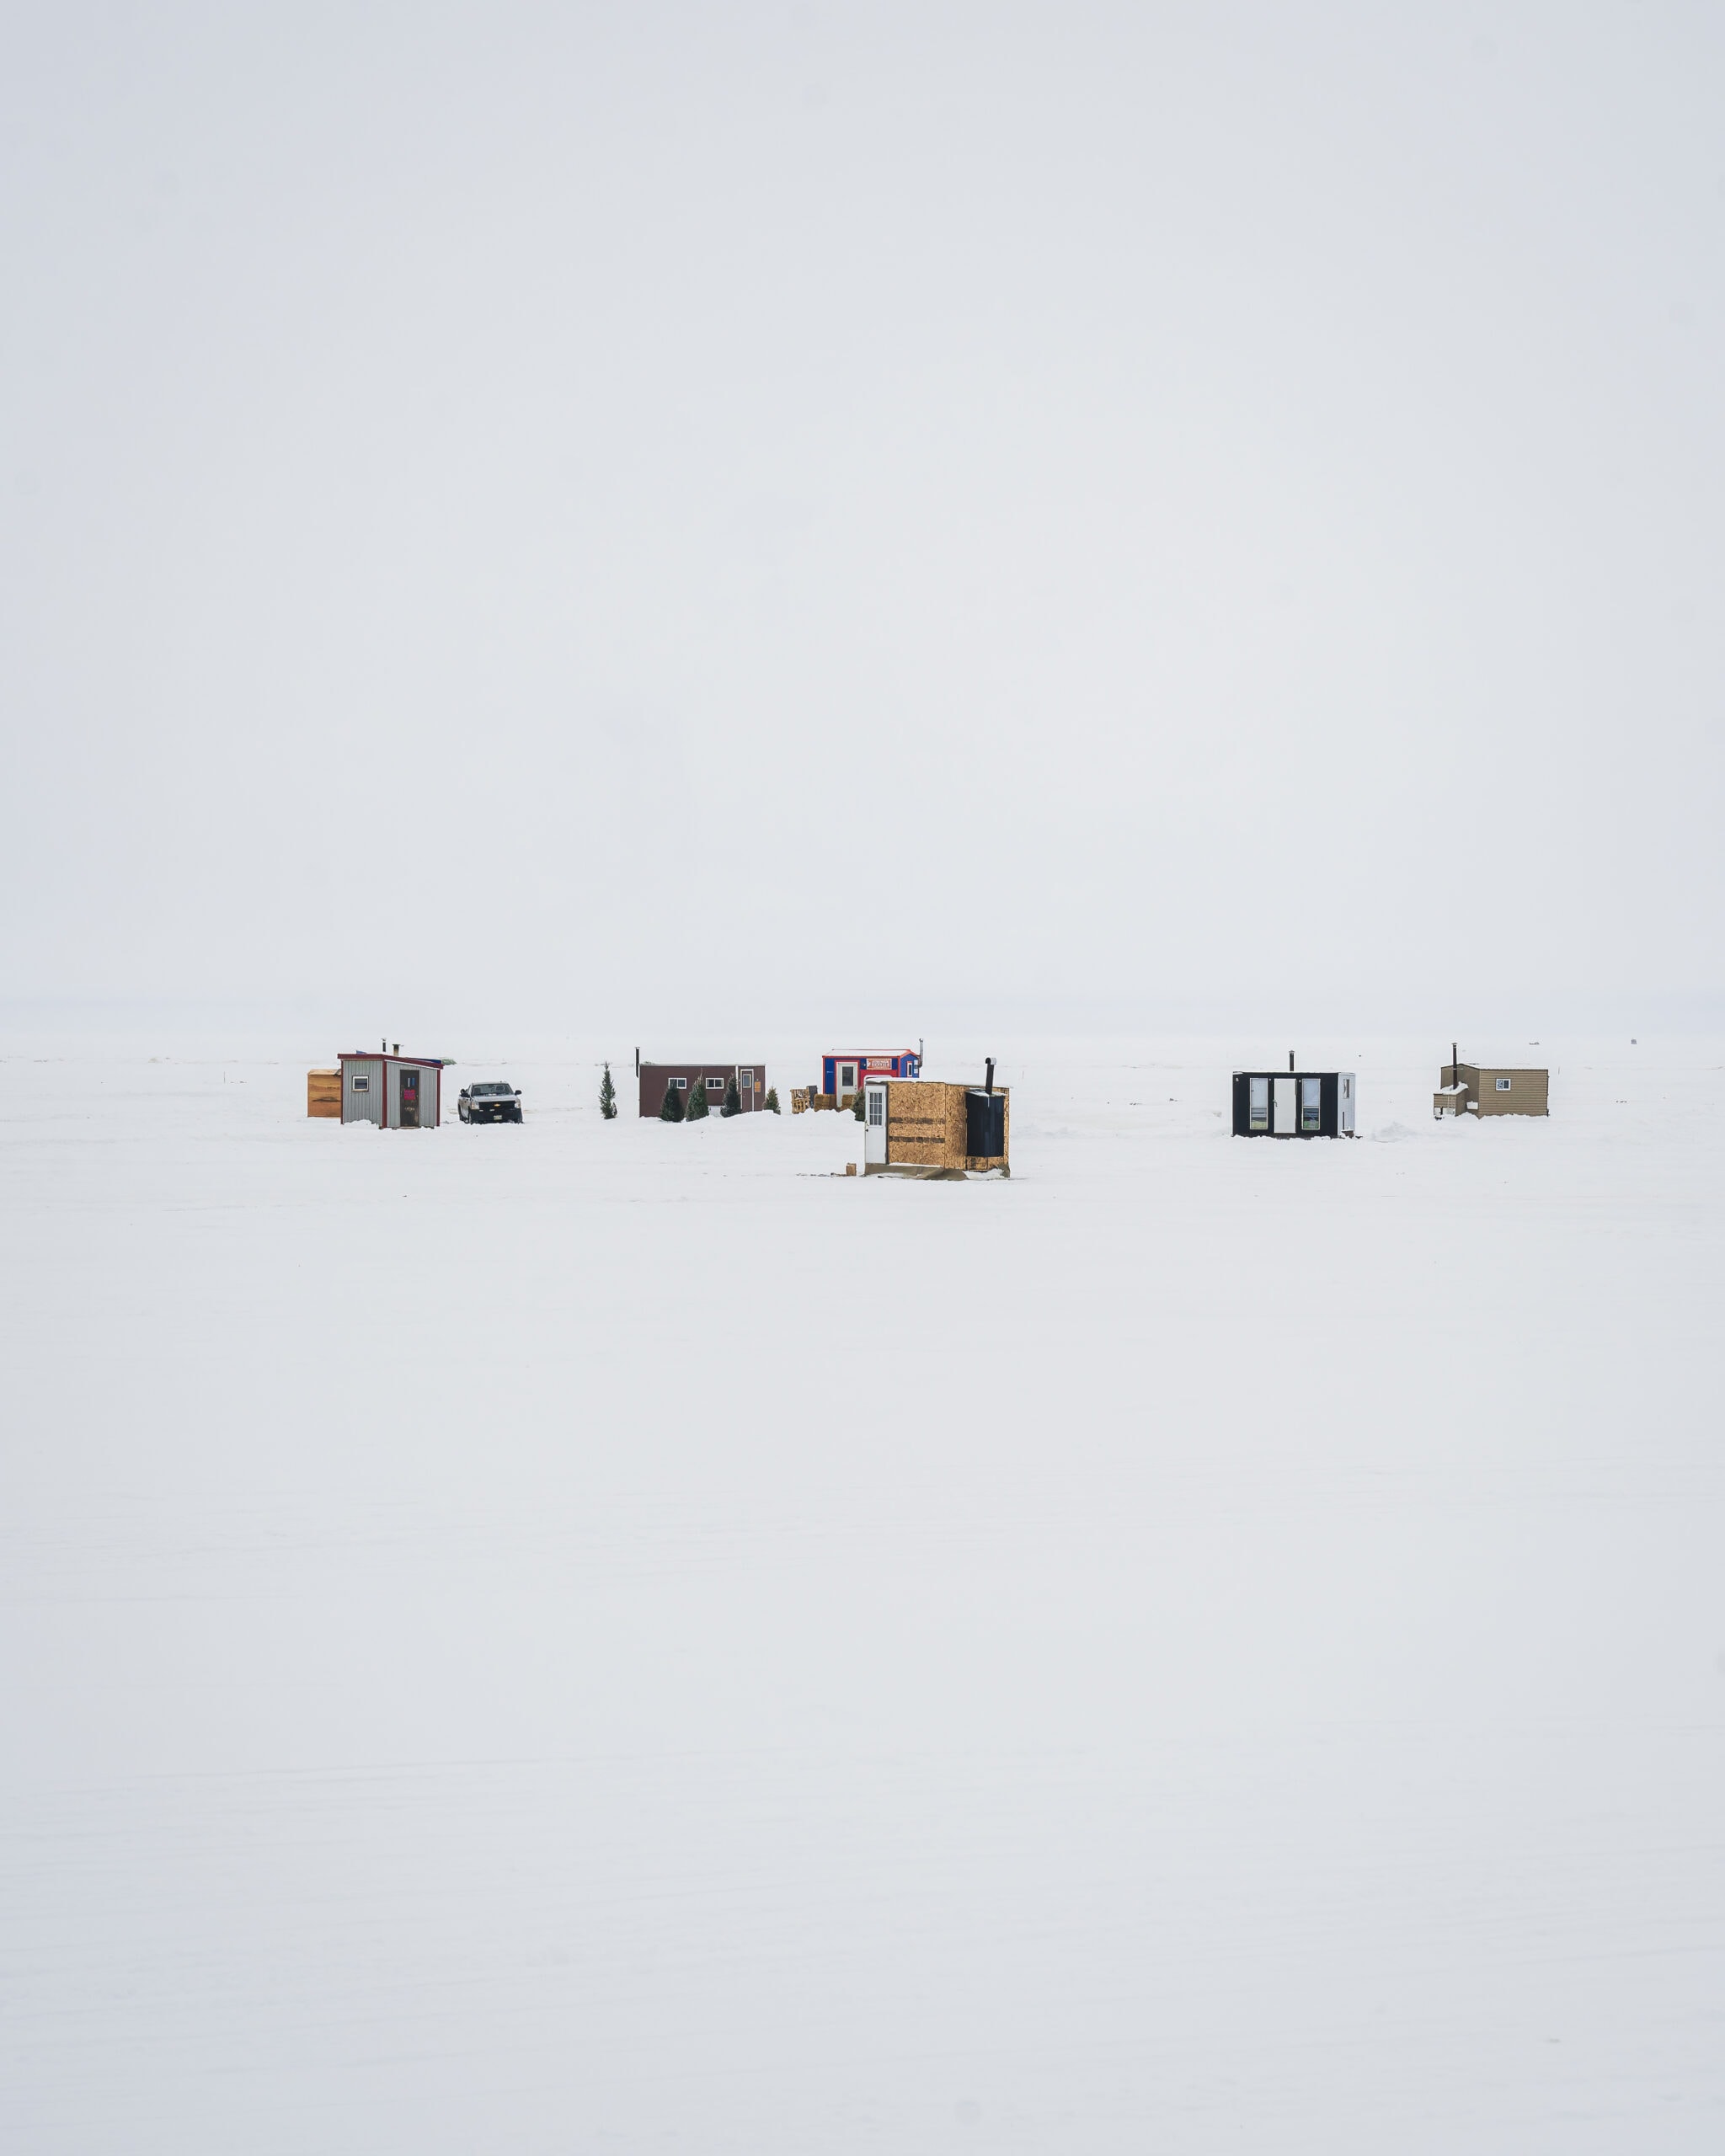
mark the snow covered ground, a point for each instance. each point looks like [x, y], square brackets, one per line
[615, 1637]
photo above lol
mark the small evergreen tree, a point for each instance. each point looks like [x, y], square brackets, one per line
[607, 1096]
[858, 1107]
[672, 1111]
[733, 1098]
[697, 1102]
[772, 1100]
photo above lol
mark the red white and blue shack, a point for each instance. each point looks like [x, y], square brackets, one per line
[842, 1076]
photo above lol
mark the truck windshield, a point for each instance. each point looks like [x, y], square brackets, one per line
[479, 1090]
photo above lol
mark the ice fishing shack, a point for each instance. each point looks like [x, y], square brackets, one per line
[925, 1128]
[1294, 1103]
[842, 1077]
[396, 1091]
[1490, 1089]
[713, 1079]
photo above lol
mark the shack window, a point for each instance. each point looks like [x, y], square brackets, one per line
[1311, 1104]
[680, 1082]
[362, 1085]
[1503, 1085]
[877, 1106]
[847, 1077]
[715, 1084]
[1260, 1115]
[748, 1077]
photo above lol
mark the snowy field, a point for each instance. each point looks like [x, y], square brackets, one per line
[619, 1638]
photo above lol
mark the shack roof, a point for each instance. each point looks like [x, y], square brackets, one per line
[380, 1056]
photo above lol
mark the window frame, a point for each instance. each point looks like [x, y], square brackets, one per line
[1312, 1106]
[360, 1081]
[1257, 1117]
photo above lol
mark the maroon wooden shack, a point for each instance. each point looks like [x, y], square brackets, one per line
[712, 1077]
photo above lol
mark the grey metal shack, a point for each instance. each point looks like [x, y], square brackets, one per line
[400, 1092]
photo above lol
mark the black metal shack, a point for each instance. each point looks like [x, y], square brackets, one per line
[1294, 1103]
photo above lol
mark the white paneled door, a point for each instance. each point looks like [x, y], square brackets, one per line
[874, 1124]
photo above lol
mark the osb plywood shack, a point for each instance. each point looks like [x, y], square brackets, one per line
[324, 1093]
[925, 1126]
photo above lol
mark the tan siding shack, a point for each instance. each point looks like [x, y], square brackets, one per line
[1530, 1091]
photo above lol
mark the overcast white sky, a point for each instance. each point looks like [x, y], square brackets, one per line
[1122, 502]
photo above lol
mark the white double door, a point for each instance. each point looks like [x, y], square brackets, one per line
[873, 1122]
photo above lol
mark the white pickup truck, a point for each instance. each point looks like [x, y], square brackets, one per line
[490, 1101]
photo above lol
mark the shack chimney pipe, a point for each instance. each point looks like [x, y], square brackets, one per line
[1290, 1059]
[989, 1086]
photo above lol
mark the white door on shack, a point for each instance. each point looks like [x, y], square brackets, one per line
[1287, 1122]
[875, 1121]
